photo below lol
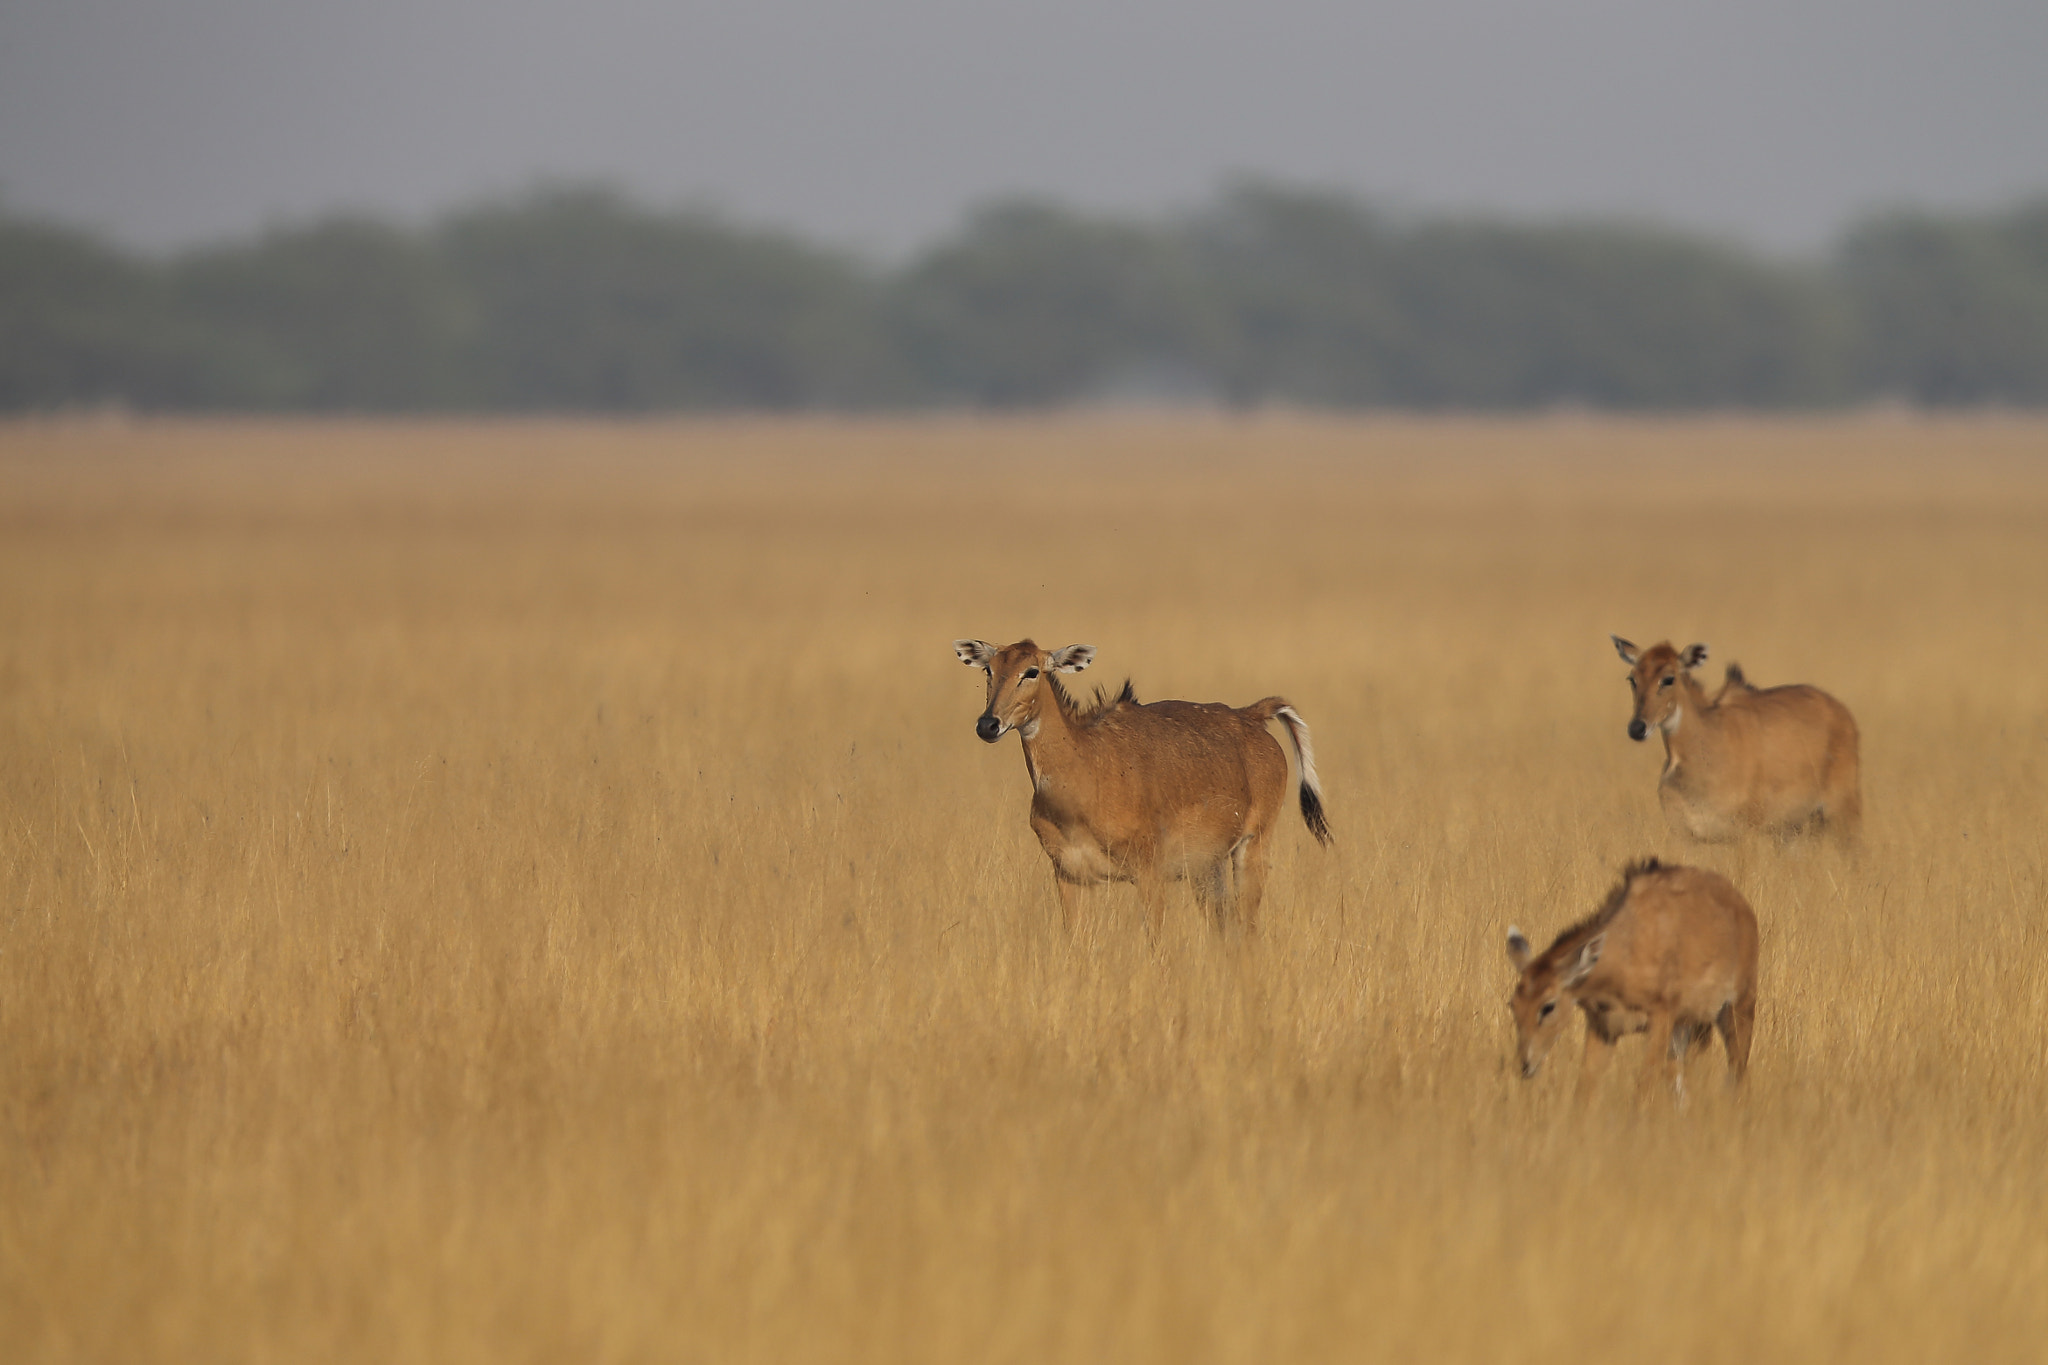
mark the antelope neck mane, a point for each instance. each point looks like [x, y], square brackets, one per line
[1592, 924]
[1092, 710]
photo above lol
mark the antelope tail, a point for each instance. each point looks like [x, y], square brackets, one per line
[1305, 755]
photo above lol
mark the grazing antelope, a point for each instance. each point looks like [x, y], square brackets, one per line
[1776, 758]
[1672, 953]
[1122, 791]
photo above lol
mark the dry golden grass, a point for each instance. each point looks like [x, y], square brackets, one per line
[533, 893]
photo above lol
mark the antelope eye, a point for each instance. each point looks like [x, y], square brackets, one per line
[1665, 683]
[1545, 1012]
[1029, 674]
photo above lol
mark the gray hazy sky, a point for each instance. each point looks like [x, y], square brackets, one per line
[874, 122]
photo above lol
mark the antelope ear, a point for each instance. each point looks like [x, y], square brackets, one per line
[974, 653]
[1626, 650]
[1518, 948]
[1582, 965]
[1072, 659]
[1694, 656]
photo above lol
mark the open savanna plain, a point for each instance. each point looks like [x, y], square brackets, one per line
[532, 892]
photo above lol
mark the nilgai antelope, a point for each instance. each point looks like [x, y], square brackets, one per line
[1672, 953]
[1782, 759]
[1145, 793]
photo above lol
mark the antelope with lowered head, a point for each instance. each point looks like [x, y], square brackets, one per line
[1782, 759]
[1146, 793]
[1672, 952]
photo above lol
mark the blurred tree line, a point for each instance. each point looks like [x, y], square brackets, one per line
[579, 300]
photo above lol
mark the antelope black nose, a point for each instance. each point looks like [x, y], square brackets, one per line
[989, 728]
[1637, 730]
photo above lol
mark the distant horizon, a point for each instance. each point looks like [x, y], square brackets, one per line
[1397, 211]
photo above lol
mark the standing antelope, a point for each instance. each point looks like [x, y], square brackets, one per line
[1145, 793]
[1672, 952]
[1777, 758]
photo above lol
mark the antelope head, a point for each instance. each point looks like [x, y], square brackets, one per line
[1653, 677]
[1543, 991]
[1017, 685]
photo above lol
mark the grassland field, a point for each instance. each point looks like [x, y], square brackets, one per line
[532, 893]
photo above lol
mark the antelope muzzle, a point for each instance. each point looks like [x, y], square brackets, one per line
[1637, 730]
[989, 728]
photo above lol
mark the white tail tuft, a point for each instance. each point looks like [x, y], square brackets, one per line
[1311, 788]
